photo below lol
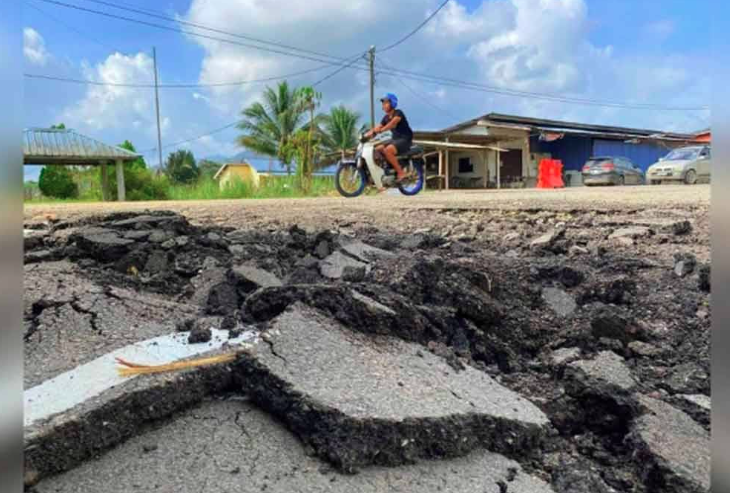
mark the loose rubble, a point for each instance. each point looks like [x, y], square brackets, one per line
[547, 357]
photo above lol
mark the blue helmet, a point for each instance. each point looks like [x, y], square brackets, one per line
[392, 98]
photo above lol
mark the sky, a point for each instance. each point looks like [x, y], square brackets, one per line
[651, 51]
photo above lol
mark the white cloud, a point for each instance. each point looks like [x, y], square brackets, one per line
[34, 47]
[114, 107]
[661, 29]
[533, 45]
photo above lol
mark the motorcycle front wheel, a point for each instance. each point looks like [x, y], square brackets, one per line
[350, 180]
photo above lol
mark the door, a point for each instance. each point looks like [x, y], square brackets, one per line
[704, 163]
[632, 174]
[511, 169]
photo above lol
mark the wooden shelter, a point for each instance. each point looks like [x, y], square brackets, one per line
[66, 147]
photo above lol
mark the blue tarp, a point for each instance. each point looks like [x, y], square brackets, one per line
[574, 150]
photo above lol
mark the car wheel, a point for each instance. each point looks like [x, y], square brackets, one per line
[691, 177]
[621, 180]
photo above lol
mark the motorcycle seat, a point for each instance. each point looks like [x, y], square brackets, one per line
[413, 151]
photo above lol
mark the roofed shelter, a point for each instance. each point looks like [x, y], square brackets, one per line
[498, 151]
[66, 147]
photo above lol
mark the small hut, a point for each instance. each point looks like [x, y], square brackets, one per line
[242, 171]
[66, 147]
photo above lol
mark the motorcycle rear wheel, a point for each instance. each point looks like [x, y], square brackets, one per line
[415, 184]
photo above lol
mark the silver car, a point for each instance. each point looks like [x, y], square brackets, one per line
[686, 164]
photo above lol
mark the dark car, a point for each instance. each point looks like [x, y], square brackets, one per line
[611, 170]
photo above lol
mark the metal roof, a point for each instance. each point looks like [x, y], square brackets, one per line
[497, 119]
[226, 165]
[66, 146]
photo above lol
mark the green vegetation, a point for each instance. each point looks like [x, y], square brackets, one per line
[269, 125]
[282, 126]
[272, 187]
[208, 168]
[139, 181]
[181, 168]
[58, 182]
[340, 130]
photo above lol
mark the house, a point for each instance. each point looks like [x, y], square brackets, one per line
[466, 155]
[232, 171]
[703, 136]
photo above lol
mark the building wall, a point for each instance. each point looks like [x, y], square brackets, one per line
[245, 173]
[483, 163]
[574, 150]
[644, 154]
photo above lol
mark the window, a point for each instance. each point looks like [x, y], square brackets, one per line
[465, 165]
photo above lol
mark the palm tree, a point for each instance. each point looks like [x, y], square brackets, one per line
[340, 130]
[269, 125]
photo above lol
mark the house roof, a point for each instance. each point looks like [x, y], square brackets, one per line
[226, 165]
[525, 123]
[66, 146]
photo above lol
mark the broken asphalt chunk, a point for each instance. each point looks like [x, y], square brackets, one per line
[360, 401]
[671, 451]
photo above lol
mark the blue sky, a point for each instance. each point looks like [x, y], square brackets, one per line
[641, 52]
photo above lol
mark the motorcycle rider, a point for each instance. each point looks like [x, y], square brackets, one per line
[395, 121]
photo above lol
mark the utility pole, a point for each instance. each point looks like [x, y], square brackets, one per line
[157, 108]
[371, 53]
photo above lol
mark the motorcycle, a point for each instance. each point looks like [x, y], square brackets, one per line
[370, 168]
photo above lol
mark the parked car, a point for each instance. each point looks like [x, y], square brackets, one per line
[611, 170]
[686, 164]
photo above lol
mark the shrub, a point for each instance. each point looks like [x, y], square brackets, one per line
[57, 182]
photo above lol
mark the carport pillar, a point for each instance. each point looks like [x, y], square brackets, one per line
[104, 181]
[499, 165]
[441, 167]
[121, 191]
[485, 157]
[448, 175]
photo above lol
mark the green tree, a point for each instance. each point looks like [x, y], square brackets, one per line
[57, 182]
[269, 125]
[180, 167]
[340, 130]
[208, 168]
[60, 126]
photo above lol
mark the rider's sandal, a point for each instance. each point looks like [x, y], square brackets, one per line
[406, 176]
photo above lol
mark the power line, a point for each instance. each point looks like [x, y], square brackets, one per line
[343, 67]
[181, 142]
[71, 28]
[425, 99]
[418, 28]
[531, 95]
[149, 13]
[404, 73]
[191, 33]
[175, 86]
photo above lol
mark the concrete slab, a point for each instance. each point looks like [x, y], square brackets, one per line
[226, 446]
[360, 400]
[80, 413]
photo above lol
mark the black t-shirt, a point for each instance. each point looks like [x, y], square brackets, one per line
[403, 129]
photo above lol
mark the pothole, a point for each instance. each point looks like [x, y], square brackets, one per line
[584, 340]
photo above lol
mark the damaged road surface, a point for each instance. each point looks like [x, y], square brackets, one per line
[551, 359]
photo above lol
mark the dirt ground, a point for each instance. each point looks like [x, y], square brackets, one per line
[591, 303]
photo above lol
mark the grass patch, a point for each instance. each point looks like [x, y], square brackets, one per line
[208, 189]
[270, 187]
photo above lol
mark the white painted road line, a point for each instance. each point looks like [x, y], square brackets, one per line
[76, 386]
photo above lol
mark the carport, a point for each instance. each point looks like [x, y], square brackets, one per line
[65, 147]
[433, 146]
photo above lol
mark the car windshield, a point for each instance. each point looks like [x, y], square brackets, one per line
[683, 154]
[597, 161]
